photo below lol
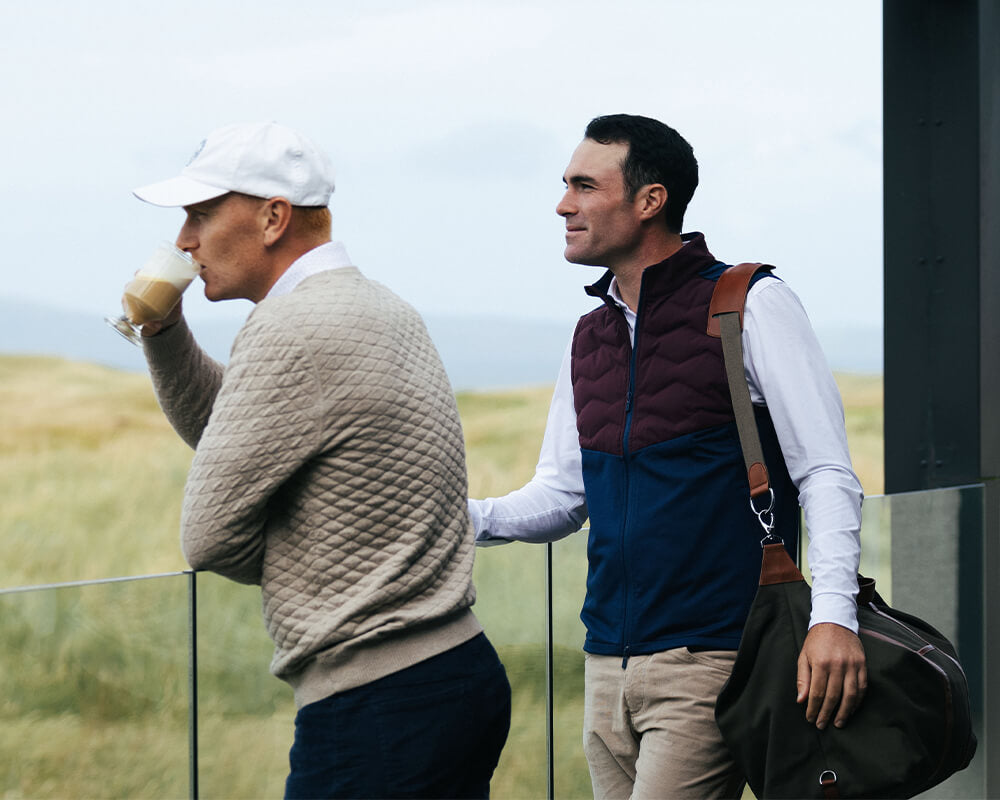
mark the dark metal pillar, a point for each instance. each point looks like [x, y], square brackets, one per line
[942, 291]
[932, 223]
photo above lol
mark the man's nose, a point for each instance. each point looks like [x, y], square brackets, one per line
[564, 208]
[185, 240]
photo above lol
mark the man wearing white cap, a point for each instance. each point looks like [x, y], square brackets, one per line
[329, 469]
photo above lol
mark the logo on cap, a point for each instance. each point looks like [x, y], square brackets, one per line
[197, 152]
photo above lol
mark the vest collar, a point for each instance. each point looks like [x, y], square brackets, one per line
[667, 275]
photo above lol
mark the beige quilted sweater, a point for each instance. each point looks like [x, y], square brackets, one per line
[330, 469]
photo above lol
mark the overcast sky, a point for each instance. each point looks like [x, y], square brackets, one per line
[449, 124]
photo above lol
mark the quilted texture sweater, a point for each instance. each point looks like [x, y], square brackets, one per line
[329, 468]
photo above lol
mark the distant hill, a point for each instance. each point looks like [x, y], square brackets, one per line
[478, 352]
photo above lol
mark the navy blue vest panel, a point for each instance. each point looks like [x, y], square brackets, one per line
[674, 549]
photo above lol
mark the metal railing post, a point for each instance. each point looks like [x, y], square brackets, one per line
[193, 684]
[549, 670]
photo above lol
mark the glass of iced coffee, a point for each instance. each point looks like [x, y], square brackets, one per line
[155, 290]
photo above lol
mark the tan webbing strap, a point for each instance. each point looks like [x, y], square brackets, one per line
[725, 321]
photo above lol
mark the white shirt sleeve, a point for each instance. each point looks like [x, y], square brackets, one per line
[552, 504]
[787, 371]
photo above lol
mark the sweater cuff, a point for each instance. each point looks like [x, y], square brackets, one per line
[167, 344]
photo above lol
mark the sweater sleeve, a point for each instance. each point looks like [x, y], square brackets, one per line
[263, 427]
[185, 379]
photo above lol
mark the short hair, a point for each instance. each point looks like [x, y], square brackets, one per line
[314, 220]
[656, 154]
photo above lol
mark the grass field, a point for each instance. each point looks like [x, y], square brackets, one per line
[93, 697]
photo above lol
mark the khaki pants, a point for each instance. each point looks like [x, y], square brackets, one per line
[649, 730]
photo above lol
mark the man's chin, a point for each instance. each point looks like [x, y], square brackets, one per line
[213, 296]
[581, 258]
[219, 296]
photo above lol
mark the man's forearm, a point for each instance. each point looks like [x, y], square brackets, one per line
[185, 379]
[533, 513]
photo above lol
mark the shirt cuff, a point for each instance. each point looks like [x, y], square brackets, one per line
[483, 539]
[834, 608]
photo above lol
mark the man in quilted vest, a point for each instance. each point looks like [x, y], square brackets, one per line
[642, 440]
[329, 469]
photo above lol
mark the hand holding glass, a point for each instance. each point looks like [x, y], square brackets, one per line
[155, 290]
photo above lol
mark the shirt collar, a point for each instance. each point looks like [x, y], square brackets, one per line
[615, 295]
[630, 315]
[332, 255]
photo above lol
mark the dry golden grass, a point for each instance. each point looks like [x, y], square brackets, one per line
[93, 473]
[91, 470]
[863, 396]
[503, 433]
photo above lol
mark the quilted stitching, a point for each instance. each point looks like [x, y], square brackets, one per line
[332, 469]
[680, 378]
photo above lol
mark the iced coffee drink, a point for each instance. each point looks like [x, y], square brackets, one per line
[155, 290]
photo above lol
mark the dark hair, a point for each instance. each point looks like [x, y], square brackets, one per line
[656, 154]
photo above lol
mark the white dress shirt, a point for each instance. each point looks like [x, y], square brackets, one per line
[331, 255]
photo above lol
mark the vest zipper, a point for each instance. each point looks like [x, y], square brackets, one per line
[629, 398]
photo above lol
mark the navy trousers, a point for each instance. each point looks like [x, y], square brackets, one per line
[434, 730]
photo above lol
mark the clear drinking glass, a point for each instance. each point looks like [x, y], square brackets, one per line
[155, 290]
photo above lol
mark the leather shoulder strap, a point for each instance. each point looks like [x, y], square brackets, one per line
[731, 293]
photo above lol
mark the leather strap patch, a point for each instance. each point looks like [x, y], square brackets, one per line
[731, 293]
[778, 567]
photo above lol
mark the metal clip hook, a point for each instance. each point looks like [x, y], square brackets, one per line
[765, 516]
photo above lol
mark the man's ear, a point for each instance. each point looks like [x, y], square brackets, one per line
[652, 200]
[277, 216]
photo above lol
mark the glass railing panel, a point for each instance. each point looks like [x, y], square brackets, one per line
[246, 716]
[936, 548]
[572, 778]
[924, 534]
[94, 690]
[876, 543]
[511, 594]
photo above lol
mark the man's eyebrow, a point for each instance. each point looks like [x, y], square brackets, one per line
[578, 179]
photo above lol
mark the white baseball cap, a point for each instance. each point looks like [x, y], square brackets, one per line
[261, 159]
